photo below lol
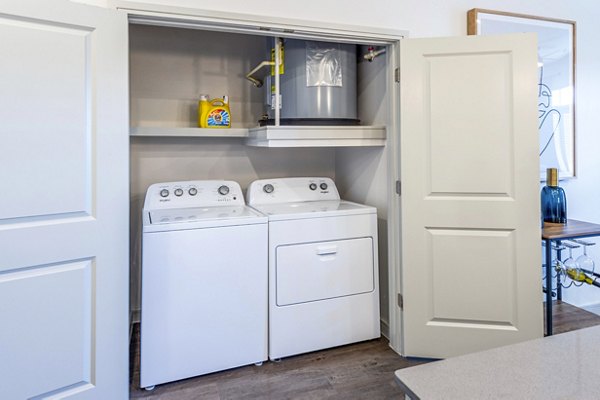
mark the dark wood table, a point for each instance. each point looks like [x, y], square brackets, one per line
[573, 229]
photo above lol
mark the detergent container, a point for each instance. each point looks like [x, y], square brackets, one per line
[203, 106]
[217, 114]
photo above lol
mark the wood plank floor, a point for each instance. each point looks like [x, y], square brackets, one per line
[359, 371]
[566, 317]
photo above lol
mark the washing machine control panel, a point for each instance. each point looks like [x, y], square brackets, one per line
[289, 190]
[186, 194]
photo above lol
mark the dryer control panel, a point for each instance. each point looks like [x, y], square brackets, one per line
[291, 190]
[186, 194]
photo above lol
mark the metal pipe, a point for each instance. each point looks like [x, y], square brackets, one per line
[370, 56]
[257, 82]
[277, 101]
[548, 287]
[582, 242]
[544, 291]
[587, 271]
[559, 251]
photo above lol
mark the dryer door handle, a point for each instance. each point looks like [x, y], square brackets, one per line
[326, 250]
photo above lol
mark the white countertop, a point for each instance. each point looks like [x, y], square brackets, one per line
[564, 366]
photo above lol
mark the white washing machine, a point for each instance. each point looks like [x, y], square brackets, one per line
[323, 272]
[204, 281]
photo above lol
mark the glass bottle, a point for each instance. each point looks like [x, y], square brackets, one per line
[554, 201]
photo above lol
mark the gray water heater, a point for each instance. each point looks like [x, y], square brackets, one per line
[318, 85]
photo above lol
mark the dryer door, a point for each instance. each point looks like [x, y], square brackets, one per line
[324, 270]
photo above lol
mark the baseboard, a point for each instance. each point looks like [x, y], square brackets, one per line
[593, 308]
[385, 329]
[134, 318]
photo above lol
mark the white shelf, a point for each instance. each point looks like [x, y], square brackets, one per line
[281, 136]
[316, 136]
[188, 132]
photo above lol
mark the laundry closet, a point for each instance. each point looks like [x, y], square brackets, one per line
[171, 66]
[438, 148]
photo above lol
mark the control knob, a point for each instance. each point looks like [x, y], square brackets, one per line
[313, 186]
[268, 188]
[178, 192]
[223, 190]
[323, 186]
[193, 191]
[164, 193]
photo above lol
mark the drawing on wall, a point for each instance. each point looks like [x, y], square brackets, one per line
[556, 80]
[549, 117]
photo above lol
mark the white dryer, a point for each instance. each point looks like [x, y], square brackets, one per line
[204, 281]
[323, 269]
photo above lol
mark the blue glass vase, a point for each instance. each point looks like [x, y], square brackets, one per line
[554, 201]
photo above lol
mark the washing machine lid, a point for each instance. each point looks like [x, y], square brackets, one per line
[200, 217]
[313, 209]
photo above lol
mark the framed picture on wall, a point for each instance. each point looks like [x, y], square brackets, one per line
[556, 80]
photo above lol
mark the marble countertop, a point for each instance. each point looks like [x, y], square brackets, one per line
[564, 366]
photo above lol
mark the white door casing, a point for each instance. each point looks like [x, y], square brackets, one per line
[470, 202]
[64, 204]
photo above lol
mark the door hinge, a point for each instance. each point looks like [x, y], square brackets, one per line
[400, 301]
[397, 74]
[398, 188]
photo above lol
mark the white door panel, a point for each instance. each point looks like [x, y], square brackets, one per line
[483, 268]
[64, 204]
[38, 298]
[459, 109]
[470, 201]
[44, 117]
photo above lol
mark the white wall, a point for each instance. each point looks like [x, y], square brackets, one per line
[448, 18]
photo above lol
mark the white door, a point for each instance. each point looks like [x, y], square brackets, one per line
[64, 201]
[470, 194]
